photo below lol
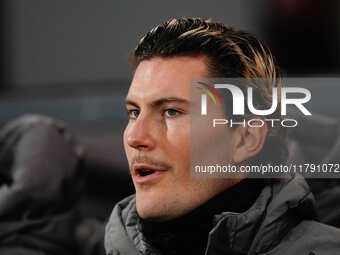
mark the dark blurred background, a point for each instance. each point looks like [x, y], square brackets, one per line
[68, 60]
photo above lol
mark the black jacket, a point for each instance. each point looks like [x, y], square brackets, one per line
[281, 221]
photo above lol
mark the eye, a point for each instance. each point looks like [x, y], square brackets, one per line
[133, 114]
[172, 112]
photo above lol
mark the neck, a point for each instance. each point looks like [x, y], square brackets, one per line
[193, 228]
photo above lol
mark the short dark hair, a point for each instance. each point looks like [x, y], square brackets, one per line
[230, 53]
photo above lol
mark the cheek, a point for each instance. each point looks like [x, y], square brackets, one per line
[178, 140]
[178, 134]
[125, 134]
[127, 148]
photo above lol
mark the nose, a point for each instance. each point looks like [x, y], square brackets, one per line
[140, 135]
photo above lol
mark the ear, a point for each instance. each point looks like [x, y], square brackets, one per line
[249, 140]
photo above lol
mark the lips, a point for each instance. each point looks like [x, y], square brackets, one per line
[146, 173]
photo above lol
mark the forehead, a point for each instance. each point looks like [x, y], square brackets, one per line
[166, 77]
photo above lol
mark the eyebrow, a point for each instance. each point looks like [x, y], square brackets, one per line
[160, 101]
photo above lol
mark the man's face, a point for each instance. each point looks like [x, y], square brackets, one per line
[157, 139]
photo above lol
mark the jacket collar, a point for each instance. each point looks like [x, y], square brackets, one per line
[278, 209]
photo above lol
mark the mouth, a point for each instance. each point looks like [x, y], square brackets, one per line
[145, 173]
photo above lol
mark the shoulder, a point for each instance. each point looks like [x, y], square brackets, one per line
[119, 214]
[116, 233]
[123, 207]
[310, 238]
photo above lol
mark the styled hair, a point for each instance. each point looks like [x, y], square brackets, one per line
[230, 54]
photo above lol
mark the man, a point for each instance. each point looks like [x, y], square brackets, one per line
[172, 213]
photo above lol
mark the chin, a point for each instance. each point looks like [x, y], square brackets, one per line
[152, 207]
[148, 212]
